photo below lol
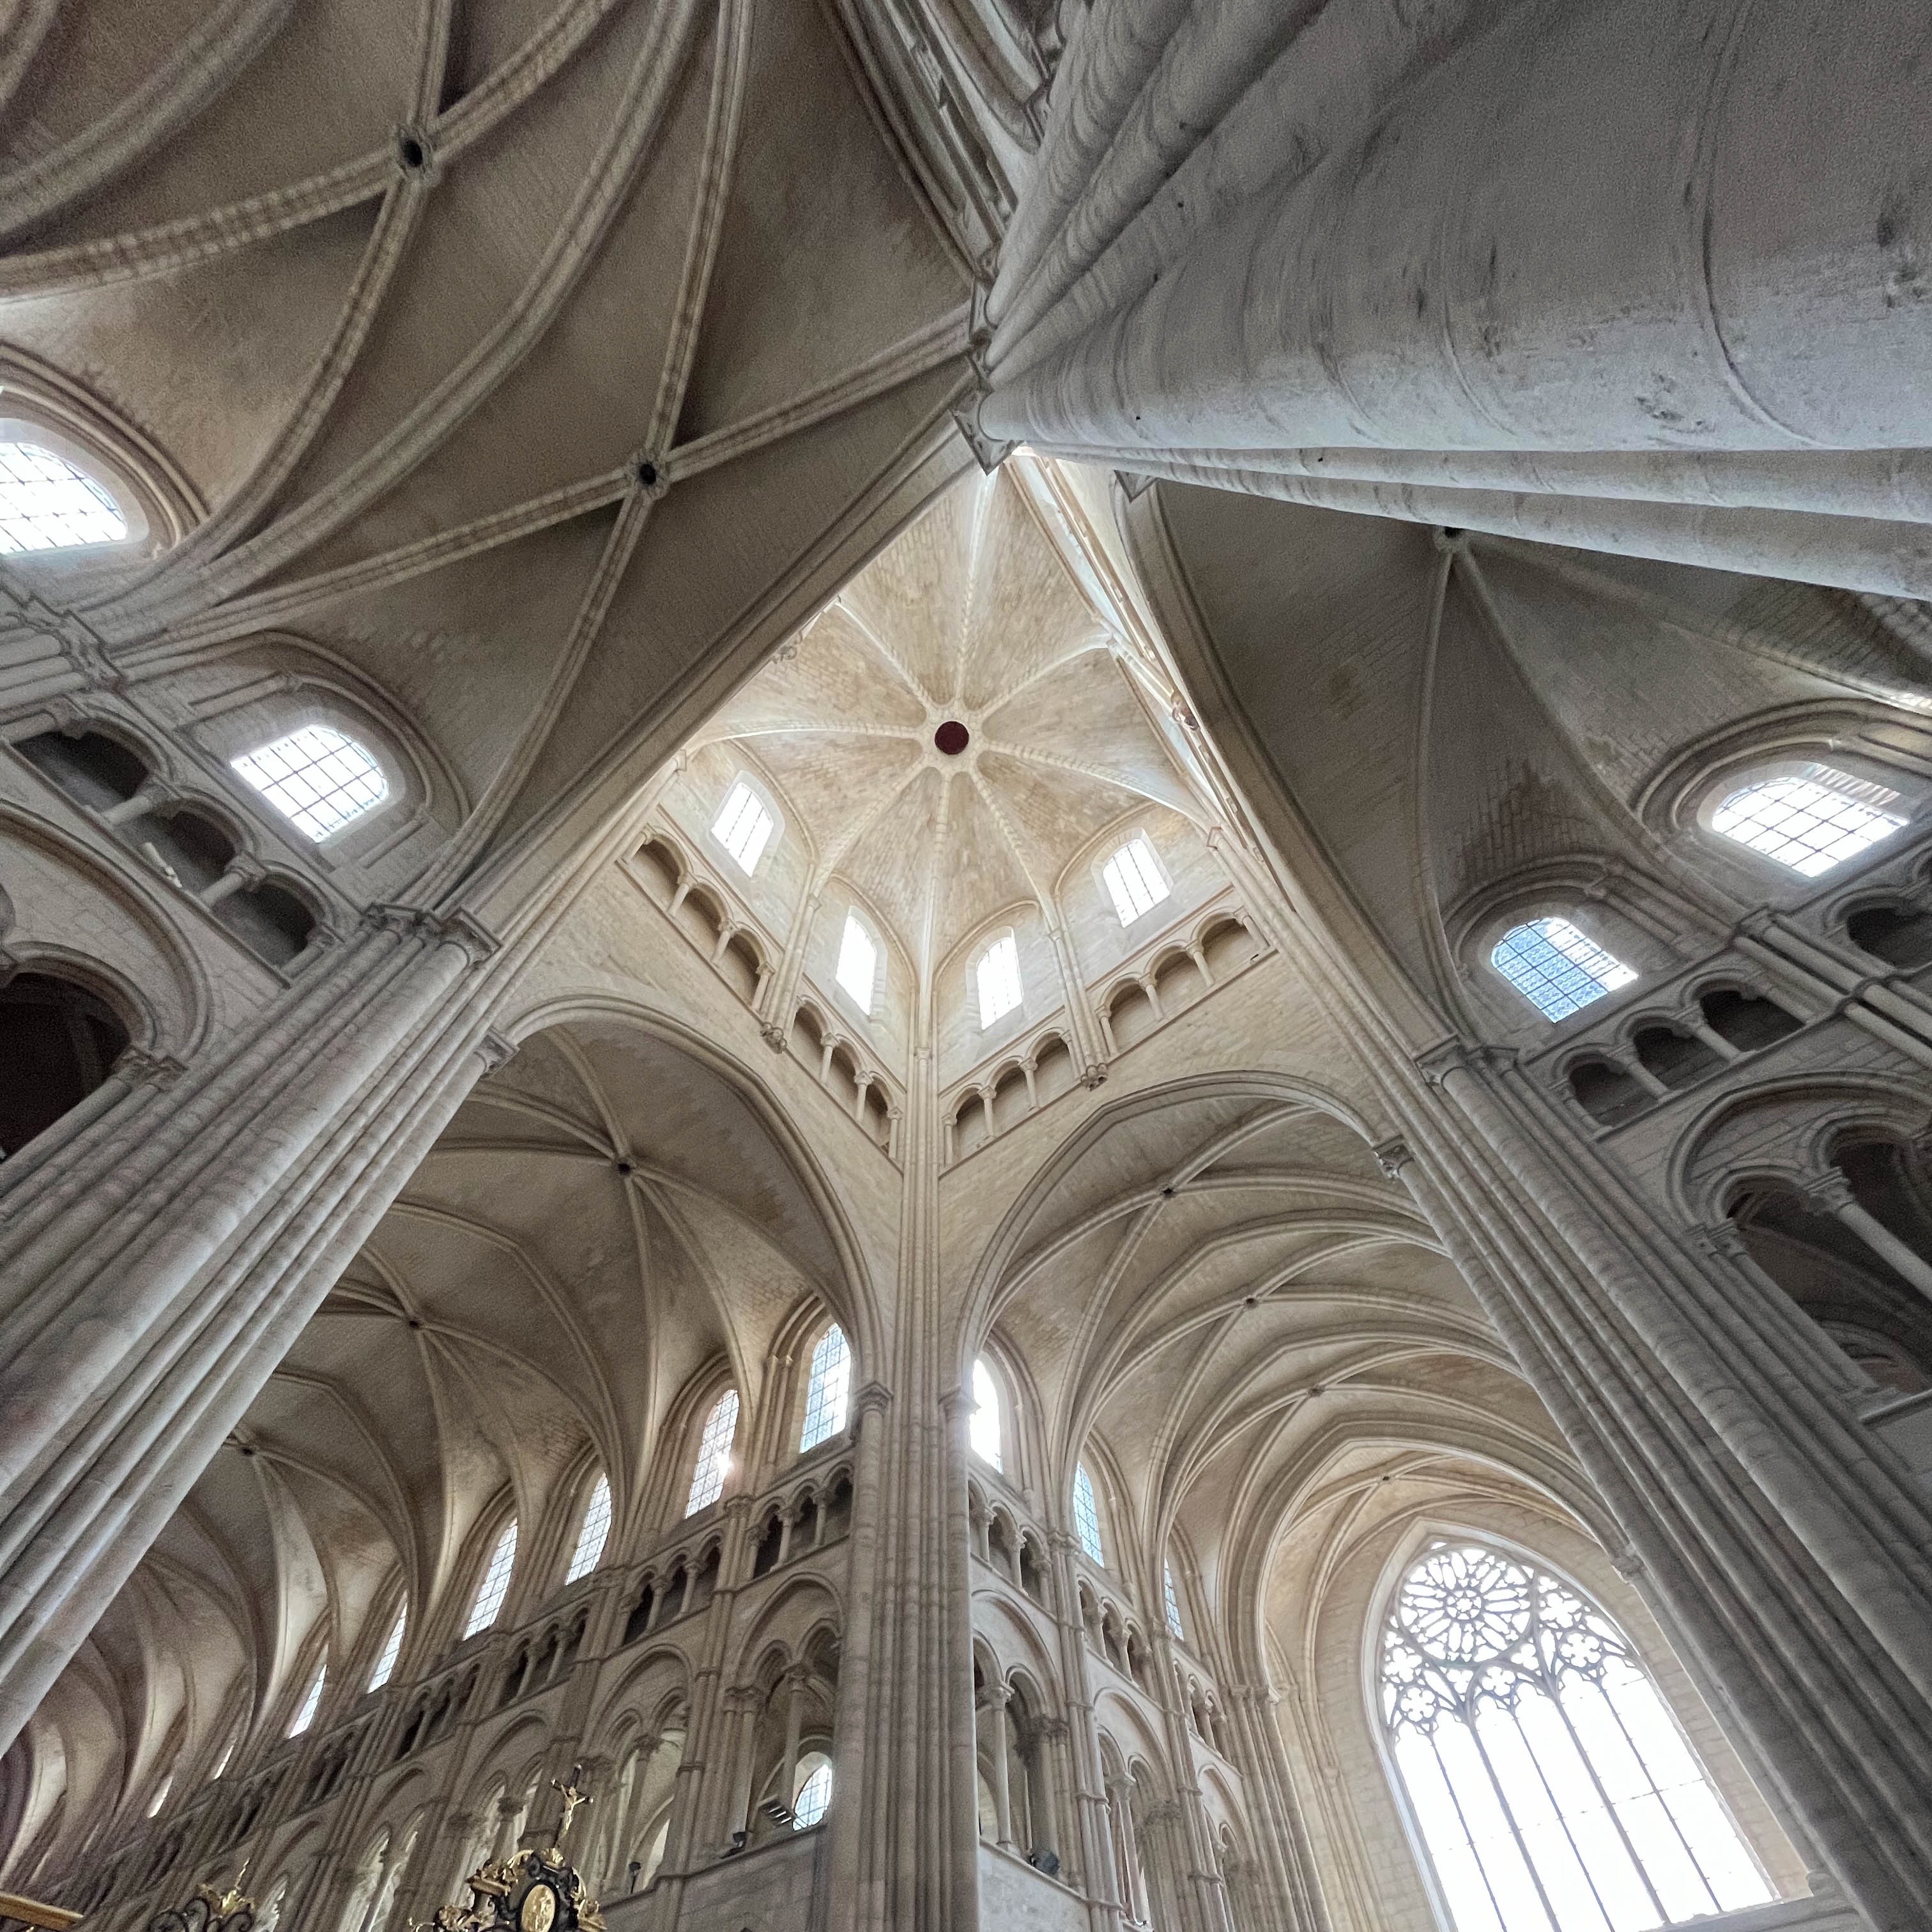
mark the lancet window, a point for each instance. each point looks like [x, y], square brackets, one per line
[1558, 970]
[997, 978]
[392, 1649]
[1087, 1514]
[858, 969]
[488, 1602]
[311, 1701]
[983, 1431]
[1171, 1600]
[827, 1388]
[714, 1453]
[1134, 880]
[1551, 1786]
[592, 1533]
[743, 826]
[814, 1796]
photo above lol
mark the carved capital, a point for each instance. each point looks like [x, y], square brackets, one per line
[773, 1035]
[1392, 1155]
[496, 1049]
[1092, 1076]
[141, 1068]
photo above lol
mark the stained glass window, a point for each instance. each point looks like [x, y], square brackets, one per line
[1809, 820]
[714, 1453]
[1558, 970]
[1133, 877]
[392, 1649]
[591, 1533]
[1087, 1513]
[496, 1584]
[46, 503]
[826, 1390]
[317, 778]
[1551, 1786]
[983, 1430]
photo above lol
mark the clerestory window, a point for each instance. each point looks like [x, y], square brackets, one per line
[1171, 1597]
[1811, 819]
[592, 1533]
[714, 1453]
[858, 965]
[1550, 1784]
[317, 778]
[743, 826]
[814, 1793]
[1557, 969]
[1087, 1514]
[1134, 879]
[982, 1431]
[827, 1388]
[487, 1603]
[392, 1649]
[48, 503]
[997, 977]
[311, 1701]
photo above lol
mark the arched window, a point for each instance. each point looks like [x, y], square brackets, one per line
[743, 826]
[160, 1796]
[592, 1533]
[859, 964]
[983, 1430]
[311, 1701]
[996, 975]
[392, 1649]
[1810, 819]
[1170, 1599]
[1557, 969]
[1552, 1786]
[227, 1756]
[496, 1584]
[1087, 1514]
[48, 503]
[1134, 880]
[815, 1791]
[714, 1453]
[826, 1392]
[317, 778]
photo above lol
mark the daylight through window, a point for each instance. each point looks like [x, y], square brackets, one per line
[1557, 969]
[496, 1584]
[825, 1391]
[998, 974]
[814, 1797]
[714, 1453]
[305, 1716]
[46, 503]
[1553, 1787]
[983, 1430]
[1134, 879]
[1172, 1598]
[591, 1535]
[1087, 1514]
[317, 778]
[1810, 820]
[392, 1649]
[858, 964]
[160, 1796]
[743, 826]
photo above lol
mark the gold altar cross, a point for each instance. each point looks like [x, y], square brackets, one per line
[572, 1797]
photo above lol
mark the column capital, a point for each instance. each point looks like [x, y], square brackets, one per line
[496, 1049]
[1392, 1155]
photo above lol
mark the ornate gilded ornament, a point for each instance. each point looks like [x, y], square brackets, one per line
[539, 1909]
[528, 1891]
